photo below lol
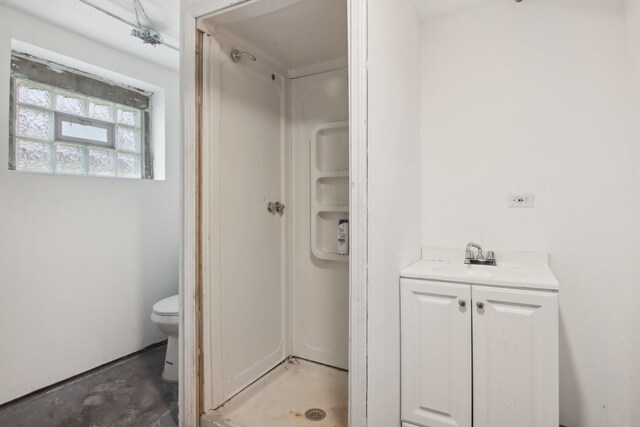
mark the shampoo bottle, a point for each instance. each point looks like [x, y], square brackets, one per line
[343, 237]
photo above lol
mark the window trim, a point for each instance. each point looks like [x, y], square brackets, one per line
[60, 137]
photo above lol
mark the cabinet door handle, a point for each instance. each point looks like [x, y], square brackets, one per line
[480, 305]
[462, 302]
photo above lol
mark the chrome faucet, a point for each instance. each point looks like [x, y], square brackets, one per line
[479, 258]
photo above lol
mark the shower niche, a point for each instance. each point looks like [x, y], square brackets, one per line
[329, 188]
[275, 285]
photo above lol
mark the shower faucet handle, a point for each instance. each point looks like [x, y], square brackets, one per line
[275, 207]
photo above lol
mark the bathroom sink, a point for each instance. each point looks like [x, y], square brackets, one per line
[497, 272]
[514, 270]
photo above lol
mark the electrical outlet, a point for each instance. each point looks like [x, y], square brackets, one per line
[520, 200]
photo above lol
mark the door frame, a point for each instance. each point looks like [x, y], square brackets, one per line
[190, 385]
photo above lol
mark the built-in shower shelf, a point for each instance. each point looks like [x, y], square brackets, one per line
[334, 256]
[329, 187]
[333, 174]
[332, 208]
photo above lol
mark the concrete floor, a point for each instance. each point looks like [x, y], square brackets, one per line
[281, 398]
[126, 393]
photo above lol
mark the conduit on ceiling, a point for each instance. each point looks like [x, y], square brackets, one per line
[148, 35]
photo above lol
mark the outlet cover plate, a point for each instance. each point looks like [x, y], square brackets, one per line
[520, 200]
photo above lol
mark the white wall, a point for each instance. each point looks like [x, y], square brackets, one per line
[534, 97]
[632, 10]
[82, 259]
[394, 193]
[319, 288]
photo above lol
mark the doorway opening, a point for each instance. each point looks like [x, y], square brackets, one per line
[275, 213]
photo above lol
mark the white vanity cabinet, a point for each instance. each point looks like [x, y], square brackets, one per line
[475, 352]
[515, 357]
[436, 353]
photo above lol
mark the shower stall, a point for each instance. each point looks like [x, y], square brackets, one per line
[275, 212]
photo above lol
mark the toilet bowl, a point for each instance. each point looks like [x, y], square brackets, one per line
[165, 314]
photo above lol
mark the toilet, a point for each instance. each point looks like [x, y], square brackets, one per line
[165, 315]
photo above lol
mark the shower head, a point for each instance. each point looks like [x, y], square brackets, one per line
[236, 55]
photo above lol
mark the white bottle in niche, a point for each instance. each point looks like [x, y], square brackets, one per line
[343, 237]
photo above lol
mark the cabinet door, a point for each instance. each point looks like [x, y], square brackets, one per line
[515, 358]
[436, 353]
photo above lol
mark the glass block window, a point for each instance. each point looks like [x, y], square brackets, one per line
[63, 132]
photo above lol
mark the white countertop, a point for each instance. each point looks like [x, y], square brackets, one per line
[523, 270]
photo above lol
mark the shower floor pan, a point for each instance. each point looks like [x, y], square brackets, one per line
[295, 393]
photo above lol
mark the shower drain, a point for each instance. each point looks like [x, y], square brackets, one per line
[315, 414]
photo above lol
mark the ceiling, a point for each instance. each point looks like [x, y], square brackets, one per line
[272, 31]
[433, 8]
[299, 35]
[91, 23]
